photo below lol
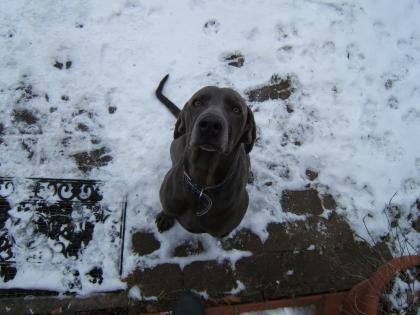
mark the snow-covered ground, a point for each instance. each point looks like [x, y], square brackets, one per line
[355, 67]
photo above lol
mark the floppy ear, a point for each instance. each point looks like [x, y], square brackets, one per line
[180, 123]
[250, 132]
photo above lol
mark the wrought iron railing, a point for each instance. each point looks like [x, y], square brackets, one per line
[55, 216]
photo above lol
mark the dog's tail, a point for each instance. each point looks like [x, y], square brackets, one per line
[167, 102]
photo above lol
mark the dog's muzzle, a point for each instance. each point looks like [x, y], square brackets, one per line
[210, 133]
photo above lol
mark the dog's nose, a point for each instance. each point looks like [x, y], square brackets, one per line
[210, 126]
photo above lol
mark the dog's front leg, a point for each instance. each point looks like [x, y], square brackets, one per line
[164, 222]
[172, 203]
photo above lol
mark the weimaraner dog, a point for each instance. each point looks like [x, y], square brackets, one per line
[205, 188]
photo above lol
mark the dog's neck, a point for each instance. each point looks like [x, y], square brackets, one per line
[208, 168]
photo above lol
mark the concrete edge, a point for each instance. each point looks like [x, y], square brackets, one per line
[44, 305]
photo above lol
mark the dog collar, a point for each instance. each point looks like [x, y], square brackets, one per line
[199, 192]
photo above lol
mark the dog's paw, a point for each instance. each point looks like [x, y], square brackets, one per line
[164, 222]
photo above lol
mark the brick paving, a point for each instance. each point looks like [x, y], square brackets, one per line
[297, 259]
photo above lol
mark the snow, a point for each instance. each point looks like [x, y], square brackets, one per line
[308, 310]
[403, 295]
[134, 293]
[239, 288]
[355, 70]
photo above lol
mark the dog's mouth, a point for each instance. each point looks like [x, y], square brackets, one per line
[209, 147]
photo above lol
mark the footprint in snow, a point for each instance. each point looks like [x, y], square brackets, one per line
[393, 102]
[354, 53]
[60, 65]
[286, 31]
[211, 27]
[412, 116]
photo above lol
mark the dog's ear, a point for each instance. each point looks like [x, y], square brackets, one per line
[180, 123]
[250, 132]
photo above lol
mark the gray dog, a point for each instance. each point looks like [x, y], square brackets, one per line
[205, 188]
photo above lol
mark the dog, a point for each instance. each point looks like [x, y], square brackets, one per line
[205, 189]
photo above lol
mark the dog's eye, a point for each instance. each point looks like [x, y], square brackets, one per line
[196, 103]
[236, 110]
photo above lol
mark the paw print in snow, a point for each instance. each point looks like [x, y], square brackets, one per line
[211, 26]
[380, 29]
[252, 34]
[417, 162]
[286, 31]
[285, 53]
[234, 59]
[328, 47]
[393, 102]
[354, 53]
[412, 116]
[355, 57]
[63, 65]
[8, 33]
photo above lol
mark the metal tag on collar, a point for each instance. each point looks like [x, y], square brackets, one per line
[206, 209]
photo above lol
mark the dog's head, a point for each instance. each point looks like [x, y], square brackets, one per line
[216, 119]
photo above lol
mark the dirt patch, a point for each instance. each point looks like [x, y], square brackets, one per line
[278, 88]
[86, 161]
[189, 248]
[25, 116]
[82, 127]
[144, 243]
[244, 240]
[26, 121]
[328, 202]
[301, 202]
